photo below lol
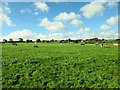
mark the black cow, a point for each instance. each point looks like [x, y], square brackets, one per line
[14, 43]
[35, 46]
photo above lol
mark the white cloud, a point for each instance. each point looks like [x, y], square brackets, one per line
[40, 36]
[28, 34]
[113, 20]
[108, 35]
[36, 13]
[83, 33]
[25, 34]
[4, 12]
[83, 30]
[105, 27]
[88, 35]
[52, 26]
[112, 4]
[57, 36]
[41, 6]
[109, 23]
[25, 11]
[67, 16]
[93, 9]
[76, 22]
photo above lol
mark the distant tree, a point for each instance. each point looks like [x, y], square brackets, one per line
[76, 41]
[4, 40]
[103, 39]
[27, 40]
[43, 41]
[55, 40]
[38, 40]
[10, 40]
[65, 41]
[52, 40]
[96, 39]
[20, 40]
[79, 40]
[30, 41]
[69, 40]
[47, 41]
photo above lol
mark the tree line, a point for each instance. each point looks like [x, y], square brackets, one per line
[86, 41]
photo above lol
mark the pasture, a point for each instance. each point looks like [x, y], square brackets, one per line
[59, 66]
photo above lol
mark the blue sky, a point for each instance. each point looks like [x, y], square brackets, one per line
[63, 20]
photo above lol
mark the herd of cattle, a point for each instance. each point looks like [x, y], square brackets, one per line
[96, 44]
[115, 44]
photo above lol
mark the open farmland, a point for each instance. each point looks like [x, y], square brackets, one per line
[59, 66]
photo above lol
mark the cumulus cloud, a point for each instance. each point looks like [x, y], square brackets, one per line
[57, 36]
[41, 6]
[76, 22]
[109, 23]
[28, 34]
[4, 12]
[83, 30]
[25, 34]
[105, 27]
[88, 35]
[50, 36]
[52, 26]
[108, 35]
[25, 11]
[93, 9]
[83, 33]
[113, 20]
[67, 16]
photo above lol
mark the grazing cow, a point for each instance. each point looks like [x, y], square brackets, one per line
[14, 43]
[101, 44]
[96, 44]
[82, 44]
[35, 46]
[107, 45]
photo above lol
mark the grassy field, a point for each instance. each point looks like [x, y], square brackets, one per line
[59, 66]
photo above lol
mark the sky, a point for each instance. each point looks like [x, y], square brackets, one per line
[58, 20]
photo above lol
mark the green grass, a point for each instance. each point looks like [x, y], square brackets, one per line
[0, 66]
[59, 66]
